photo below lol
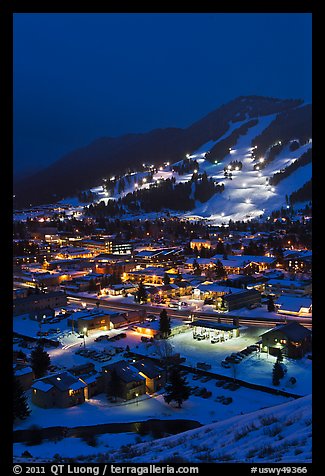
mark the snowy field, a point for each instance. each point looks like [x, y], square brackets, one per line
[230, 422]
[278, 434]
[98, 410]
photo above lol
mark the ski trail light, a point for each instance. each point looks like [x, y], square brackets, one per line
[257, 168]
[144, 180]
[222, 214]
[167, 163]
[160, 168]
[244, 184]
[236, 168]
[136, 185]
[229, 167]
[195, 171]
[187, 156]
[259, 174]
[262, 160]
[247, 200]
[272, 189]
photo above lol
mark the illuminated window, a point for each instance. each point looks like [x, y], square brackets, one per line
[283, 341]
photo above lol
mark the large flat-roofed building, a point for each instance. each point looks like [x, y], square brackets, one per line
[108, 246]
[91, 320]
[39, 301]
[245, 298]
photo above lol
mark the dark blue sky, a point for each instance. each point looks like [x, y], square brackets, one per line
[78, 77]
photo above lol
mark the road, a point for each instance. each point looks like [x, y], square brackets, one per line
[185, 314]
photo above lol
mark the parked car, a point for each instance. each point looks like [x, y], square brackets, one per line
[227, 400]
[206, 378]
[206, 394]
[196, 377]
[225, 364]
[203, 365]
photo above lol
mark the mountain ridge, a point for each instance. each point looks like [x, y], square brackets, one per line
[84, 167]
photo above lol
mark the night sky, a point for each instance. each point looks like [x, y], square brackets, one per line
[78, 77]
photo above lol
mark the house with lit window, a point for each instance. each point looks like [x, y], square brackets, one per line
[91, 320]
[298, 261]
[235, 264]
[154, 375]
[122, 380]
[88, 374]
[61, 390]
[293, 340]
[199, 243]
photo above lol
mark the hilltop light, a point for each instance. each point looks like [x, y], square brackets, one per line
[187, 156]
[143, 165]
[167, 163]
[160, 168]
[112, 178]
[215, 161]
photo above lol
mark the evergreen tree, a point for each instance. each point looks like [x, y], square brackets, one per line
[92, 285]
[177, 388]
[164, 324]
[141, 294]
[277, 373]
[220, 270]
[270, 304]
[166, 279]
[220, 248]
[114, 385]
[40, 361]
[20, 405]
[196, 268]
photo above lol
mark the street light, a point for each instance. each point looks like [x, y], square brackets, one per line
[84, 334]
[136, 396]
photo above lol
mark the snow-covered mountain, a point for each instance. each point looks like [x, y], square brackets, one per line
[264, 135]
[248, 192]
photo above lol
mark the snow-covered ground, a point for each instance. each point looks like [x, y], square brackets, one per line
[281, 432]
[98, 410]
[278, 434]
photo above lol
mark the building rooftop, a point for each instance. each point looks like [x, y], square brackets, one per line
[293, 331]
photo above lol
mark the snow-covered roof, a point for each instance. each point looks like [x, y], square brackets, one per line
[23, 371]
[292, 303]
[41, 385]
[235, 261]
[216, 288]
